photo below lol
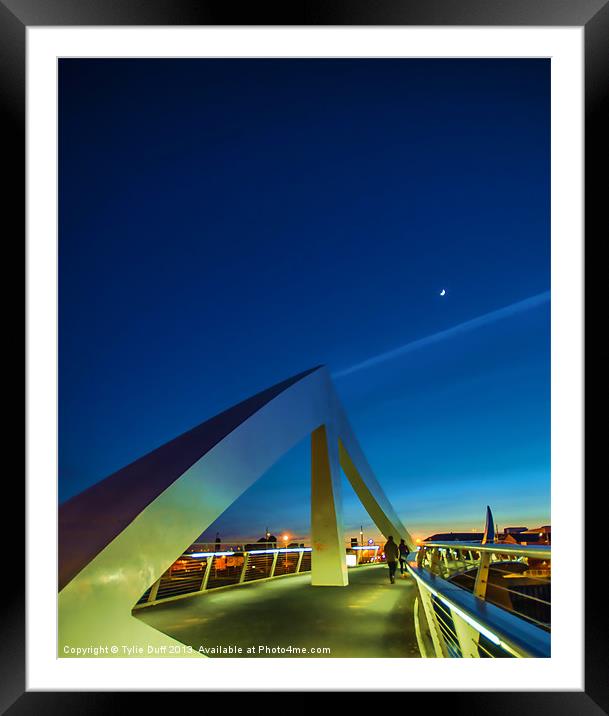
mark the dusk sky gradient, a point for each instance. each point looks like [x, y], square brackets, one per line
[225, 224]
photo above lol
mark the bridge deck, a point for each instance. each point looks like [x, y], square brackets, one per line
[369, 618]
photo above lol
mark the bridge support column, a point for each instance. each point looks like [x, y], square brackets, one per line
[373, 498]
[328, 559]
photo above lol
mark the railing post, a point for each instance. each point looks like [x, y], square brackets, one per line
[154, 590]
[435, 561]
[275, 555]
[206, 574]
[434, 629]
[482, 575]
[299, 562]
[417, 629]
[467, 637]
[244, 570]
[420, 556]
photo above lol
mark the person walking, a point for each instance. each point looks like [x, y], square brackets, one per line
[391, 556]
[403, 550]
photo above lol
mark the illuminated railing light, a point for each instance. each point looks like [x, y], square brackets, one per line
[509, 649]
[281, 550]
[472, 622]
[210, 554]
[373, 547]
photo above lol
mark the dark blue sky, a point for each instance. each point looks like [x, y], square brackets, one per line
[225, 224]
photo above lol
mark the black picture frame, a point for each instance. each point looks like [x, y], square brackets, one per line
[592, 15]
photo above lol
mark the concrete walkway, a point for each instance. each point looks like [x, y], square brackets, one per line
[369, 618]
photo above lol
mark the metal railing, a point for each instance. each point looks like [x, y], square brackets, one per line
[363, 554]
[213, 565]
[197, 572]
[482, 600]
[244, 545]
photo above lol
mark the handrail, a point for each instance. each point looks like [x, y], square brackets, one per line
[241, 544]
[243, 552]
[195, 571]
[514, 635]
[483, 617]
[537, 551]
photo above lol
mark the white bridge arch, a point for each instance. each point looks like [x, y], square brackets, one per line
[119, 536]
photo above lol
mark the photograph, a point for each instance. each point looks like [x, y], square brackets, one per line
[305, 394]
[304, 358]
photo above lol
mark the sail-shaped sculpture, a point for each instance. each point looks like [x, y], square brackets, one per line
[119, 536]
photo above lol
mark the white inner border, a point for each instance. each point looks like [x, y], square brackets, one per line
[564, 670]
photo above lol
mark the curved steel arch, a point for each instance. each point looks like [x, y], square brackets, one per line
[120, 535]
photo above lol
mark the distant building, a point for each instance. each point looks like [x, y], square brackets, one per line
[269, 541]
[539, 535]
[510, 535]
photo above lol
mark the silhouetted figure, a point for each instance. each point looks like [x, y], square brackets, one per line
[218, 543]
[391, 556]
[403, 549]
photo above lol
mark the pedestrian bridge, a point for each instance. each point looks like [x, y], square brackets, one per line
[120, 540]
[285, 617]
[455, 599]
